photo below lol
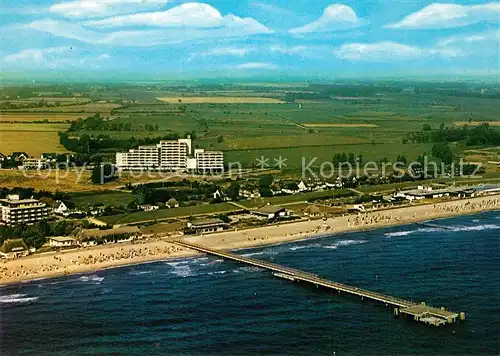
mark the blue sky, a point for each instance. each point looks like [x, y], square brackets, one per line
[250, 38]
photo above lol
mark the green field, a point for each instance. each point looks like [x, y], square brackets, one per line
[288, 199]
[163, 214]
[113, 199]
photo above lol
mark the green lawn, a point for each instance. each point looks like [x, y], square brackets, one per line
[112, 198]
[144, 216]
[286, 199]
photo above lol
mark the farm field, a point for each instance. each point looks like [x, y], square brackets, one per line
[163, 214]
[31, 127]
[31, 117]
[34, 139]
[339, 125]
[51, 181]
[219, 100]
[91, 108]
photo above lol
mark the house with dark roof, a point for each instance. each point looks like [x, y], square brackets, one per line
[19, 156]
[290, 188]
[2, 157]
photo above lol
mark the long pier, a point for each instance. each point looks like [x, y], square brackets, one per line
[418, 311]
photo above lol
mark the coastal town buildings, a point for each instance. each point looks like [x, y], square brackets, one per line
[34, 164]
[16, 211]
[171, 155]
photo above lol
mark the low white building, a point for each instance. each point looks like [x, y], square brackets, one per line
[34, 164]
[62, 241]
[148, 207]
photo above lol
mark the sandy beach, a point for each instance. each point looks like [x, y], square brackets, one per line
[83, 260]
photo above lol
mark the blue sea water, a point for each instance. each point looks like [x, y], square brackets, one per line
[206, 306]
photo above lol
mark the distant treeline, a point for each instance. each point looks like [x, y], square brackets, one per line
[483, 134]
[97, 123]
[86, 144]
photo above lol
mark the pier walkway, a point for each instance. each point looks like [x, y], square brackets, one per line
[419, 311]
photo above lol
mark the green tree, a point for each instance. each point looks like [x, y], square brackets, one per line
[103, 173]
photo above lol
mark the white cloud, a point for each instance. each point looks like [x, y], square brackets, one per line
[335, 17]
[476, 38]
[192, 21]
[478, 44]
[54, 57]
[186, 17]
[257, 65]
[35, 55]
[289, 49]
[102, 8]
[188, 14]
[390, 51]
[223, 51]
[441, 15]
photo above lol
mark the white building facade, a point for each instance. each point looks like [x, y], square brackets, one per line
[171, 155]
[209, 161]
[15, 211]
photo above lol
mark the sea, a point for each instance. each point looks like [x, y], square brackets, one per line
[207, 306]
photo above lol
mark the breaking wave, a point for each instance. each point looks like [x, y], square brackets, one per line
[138, 273]
[399, 233]
[182, 271]
[265, 252]
[91, 278]
[343, 243]
[475, 228]
[16, 298]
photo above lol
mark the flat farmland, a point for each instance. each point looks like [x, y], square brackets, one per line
[31, 117]
[339, 125]
[33, 139]
[91, 108]
[220, 100]
[320, 154]
[52, 181]
[290, 141]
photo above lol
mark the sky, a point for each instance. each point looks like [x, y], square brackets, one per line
[250, 38]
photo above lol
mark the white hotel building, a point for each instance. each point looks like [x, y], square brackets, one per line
[14, 211]
[172, 155]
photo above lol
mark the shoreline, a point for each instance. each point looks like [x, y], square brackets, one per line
[81, 261]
